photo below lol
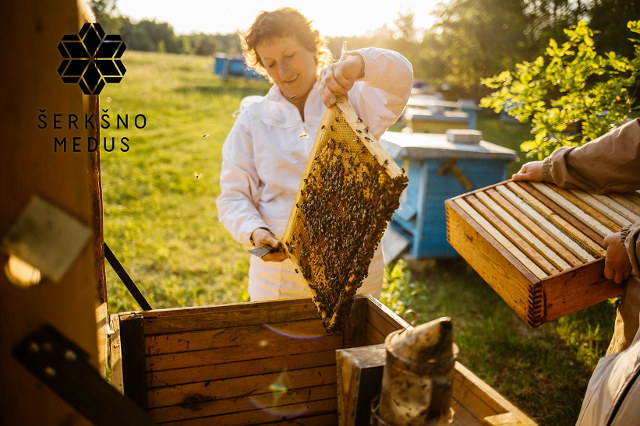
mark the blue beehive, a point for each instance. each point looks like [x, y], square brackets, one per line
[233, 66]
[439, 166]
[430, 114]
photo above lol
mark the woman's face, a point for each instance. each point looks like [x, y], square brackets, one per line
[291, 67]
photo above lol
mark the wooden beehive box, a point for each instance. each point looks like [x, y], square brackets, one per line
[259, 362]
[538, 246]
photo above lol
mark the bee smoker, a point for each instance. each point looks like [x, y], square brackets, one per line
[418, 376]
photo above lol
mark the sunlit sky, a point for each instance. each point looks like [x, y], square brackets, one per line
[330, 17]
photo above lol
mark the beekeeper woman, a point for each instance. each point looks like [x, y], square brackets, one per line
[265, 153]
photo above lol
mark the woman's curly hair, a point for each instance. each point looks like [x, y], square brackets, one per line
[283, 22]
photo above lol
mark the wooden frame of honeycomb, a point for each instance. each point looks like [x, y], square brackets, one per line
[349, 190]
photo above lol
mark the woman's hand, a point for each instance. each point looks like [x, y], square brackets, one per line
[262, 237]
[617, 266]
[338, 78]
[531, 171]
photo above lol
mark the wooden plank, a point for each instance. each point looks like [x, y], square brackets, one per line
[373, 335]
[577, 289]
[627, 203]
[203, 406]
[480, 398]
[577, 208]
[276, 346]
[359, 380]
[531, 228]
[316, 420]
[601, 207]
[374, 305]
[292, 413]
[232, 336]
[548, 226]
[505, 419]
[269, 364]
[175, 320]
[560, 217]
[242, 386]
[133, 357]
[500, 269]
[507, 224]
[354, 331]
[611, 201]
[633, 197]
[462, 416]
[117, 381]
[504, 242]
[380, 322]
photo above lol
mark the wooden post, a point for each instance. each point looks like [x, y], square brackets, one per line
[359, 380]
[30, 85]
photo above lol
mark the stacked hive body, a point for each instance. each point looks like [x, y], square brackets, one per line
[349, 191]
[262, 363]
[539, 246]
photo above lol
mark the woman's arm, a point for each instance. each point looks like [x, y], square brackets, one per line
[378, 83]
[239, 184]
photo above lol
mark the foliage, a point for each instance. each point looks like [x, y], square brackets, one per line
[571, 95]
[470, 40]
[606, 18]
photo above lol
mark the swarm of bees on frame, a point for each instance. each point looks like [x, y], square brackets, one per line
[344, 203]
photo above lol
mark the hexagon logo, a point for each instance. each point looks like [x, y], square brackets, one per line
[91, 59]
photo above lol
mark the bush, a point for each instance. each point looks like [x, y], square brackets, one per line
[571, 95]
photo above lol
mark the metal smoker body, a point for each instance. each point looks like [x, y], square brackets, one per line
[418, 376]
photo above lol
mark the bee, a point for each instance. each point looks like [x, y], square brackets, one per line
[332, 129]
[322, 127]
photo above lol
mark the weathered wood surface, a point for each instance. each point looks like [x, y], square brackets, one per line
[540, 247]
[359, 381]
[29, 83]
[199, 368]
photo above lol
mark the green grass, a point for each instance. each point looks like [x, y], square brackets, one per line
[160, 220]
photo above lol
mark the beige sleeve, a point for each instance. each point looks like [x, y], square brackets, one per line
[610, 163]
[631, 241]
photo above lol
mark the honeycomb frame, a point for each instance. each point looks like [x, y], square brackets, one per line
[349, 191]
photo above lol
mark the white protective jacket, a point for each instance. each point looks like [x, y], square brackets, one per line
[265, 154]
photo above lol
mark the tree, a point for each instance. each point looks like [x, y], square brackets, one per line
[206, 45]
[477, 38]
[104, 10]
[570, 86]
[610, 33]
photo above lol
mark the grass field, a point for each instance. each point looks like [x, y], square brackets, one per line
[160, 220]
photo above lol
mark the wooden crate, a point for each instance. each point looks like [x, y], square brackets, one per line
[258, 362]
[539, 246]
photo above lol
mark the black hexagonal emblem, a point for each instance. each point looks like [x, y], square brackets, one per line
[91, 58]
